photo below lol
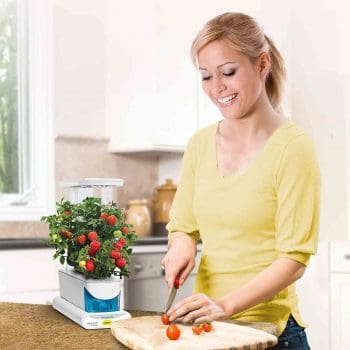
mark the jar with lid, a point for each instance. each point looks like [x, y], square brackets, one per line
[164, 198]
[139, 215]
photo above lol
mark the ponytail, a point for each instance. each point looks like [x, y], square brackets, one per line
[276, 77]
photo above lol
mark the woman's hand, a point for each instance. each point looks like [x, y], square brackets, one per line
[198, 308]
[180, 258]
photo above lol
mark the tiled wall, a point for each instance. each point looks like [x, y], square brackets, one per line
[85, 157]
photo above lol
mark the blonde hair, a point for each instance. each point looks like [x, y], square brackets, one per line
[244, 34]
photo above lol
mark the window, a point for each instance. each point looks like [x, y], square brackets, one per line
[26, 135]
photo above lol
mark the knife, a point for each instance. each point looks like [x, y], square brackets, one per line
[172, 293]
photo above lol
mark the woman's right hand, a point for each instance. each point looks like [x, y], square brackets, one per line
[180, 258]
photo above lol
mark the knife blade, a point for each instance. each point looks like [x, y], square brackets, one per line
[172, 293]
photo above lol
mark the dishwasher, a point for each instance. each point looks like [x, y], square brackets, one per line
[146, 289]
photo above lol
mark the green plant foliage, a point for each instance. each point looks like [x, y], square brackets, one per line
[8, 98]
[81, 220]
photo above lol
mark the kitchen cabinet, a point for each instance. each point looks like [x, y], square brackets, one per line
[151, 85]
[340, 292]
[324, 297]
[28, 275]
[154, 100]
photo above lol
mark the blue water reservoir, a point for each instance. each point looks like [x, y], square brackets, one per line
[93, 304]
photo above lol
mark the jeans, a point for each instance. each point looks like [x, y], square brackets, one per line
[292, 338]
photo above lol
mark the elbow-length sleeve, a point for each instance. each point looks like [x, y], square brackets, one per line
[298, 185]
[181, 213]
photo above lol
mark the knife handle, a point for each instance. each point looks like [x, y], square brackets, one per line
[177, 281]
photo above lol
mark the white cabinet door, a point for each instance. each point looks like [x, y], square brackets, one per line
[340, 296]
[313, 294]
[28, 275]
[151, 86]
[340, 311]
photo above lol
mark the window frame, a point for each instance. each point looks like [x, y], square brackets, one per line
[37, 198]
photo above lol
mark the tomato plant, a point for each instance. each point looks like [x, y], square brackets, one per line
[173, 332]
[85, 239]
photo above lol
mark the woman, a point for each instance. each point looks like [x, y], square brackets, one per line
[249, 189]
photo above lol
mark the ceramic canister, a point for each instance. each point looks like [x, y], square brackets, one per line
[138, 214]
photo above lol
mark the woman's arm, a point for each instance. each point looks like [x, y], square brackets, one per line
[269, 282]
[180, 258]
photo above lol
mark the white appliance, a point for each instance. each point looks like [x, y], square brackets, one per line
[81, 299]
[146, 289]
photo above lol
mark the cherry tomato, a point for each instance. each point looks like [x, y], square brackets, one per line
[197, 329]
[173, 332]
[125, 230]
[93, 236]
[95, 245]
[120, 262]
[66, 212]
[69, 234]
[165, 319]
[207, 327]
[114, 254]
[81, 239]
[122, 241]
[104, 215]
[112, 220]
[90, 265]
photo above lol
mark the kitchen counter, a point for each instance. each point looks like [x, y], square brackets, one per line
[36, 327]
[30, 243]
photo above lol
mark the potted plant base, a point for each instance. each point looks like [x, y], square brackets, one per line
[92, 303]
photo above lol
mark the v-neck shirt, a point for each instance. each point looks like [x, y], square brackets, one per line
[267, 209]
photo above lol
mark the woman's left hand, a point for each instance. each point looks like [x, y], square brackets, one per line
[198, 308]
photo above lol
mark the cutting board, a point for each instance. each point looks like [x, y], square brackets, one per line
[148, 333]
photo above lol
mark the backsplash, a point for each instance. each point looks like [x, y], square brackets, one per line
[87, 157]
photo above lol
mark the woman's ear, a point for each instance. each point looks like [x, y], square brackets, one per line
[264, 64]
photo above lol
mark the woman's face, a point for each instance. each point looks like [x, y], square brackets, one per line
[231, 80]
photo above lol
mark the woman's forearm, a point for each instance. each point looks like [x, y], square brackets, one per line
[269, 282]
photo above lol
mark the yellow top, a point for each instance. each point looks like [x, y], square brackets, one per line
[268, 209]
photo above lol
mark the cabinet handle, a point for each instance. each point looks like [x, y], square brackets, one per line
[347, 256]
[138, 267]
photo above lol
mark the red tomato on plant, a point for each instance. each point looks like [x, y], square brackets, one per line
[121, 262]
[197, 329]
[165, 319]
[69, 234]
[122, 241]
[207, 327]
[93, 236]
[91, 252]
[95, 245]
[81, 239]
[118, 246]
[67, 212]
[90, 265]
[63, 233]
[124, 230]
[173, 332]
[114, 254]
[111, 219]
[104, 215]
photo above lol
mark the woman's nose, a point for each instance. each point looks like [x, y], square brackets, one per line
[218, 86]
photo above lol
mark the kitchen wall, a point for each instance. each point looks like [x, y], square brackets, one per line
[311, 36]
[317, 96]
[79, 113]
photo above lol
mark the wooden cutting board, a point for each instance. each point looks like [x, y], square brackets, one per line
[148, 333]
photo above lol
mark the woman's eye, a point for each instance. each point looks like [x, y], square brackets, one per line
[205, 78]
[230, 73]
